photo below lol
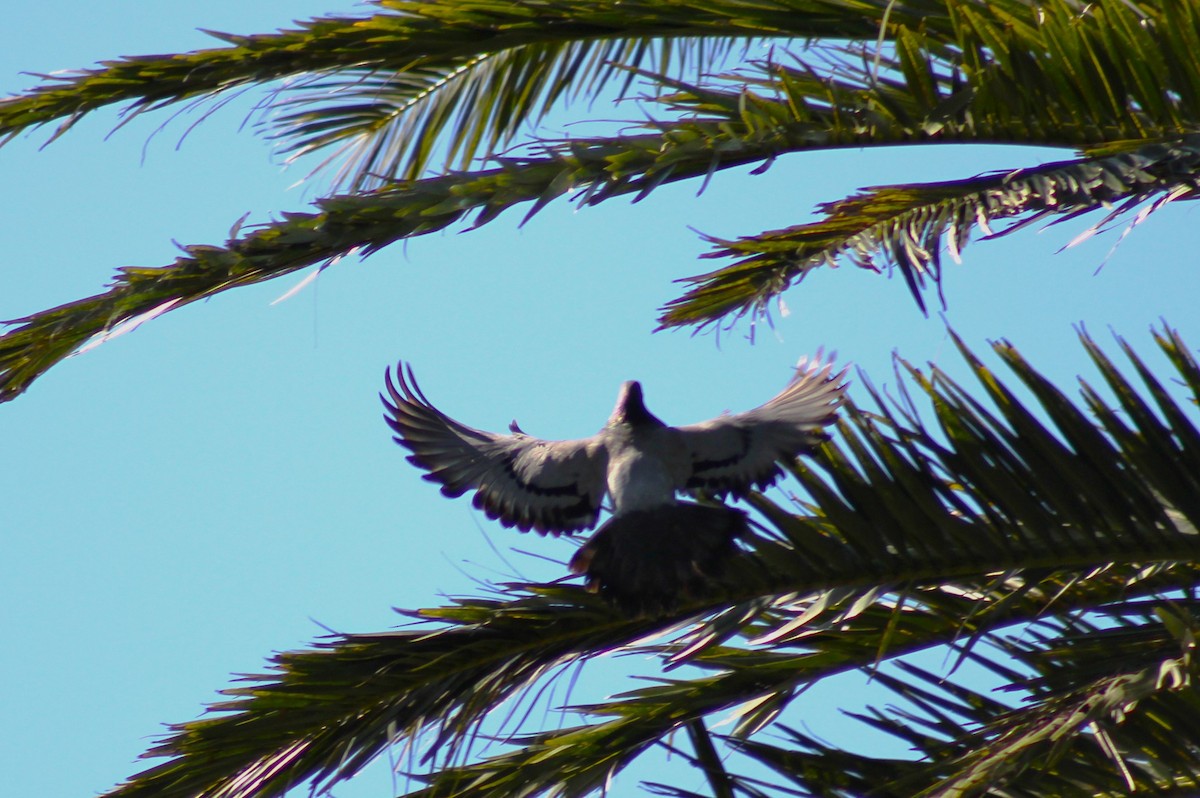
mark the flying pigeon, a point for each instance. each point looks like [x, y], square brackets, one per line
[654, 545]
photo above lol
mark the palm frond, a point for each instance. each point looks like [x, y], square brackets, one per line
[914, 538]
[1110, 700]
[335, 707]
[784, 647]
[385, 126]
[1107, 83]
[907, 227]
[418, 39]
[1109, 706]
[493, 66]
[909, 220]
[949, 76]
[361, 224]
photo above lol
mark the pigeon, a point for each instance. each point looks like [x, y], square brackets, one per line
[655, 546]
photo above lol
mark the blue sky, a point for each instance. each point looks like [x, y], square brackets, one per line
[215, 486]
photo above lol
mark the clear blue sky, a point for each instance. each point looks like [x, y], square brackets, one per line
[184, 500]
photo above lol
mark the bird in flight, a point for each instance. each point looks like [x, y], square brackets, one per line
[654, 545]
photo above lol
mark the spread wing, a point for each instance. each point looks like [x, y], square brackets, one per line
[526, 482]
[734, 453]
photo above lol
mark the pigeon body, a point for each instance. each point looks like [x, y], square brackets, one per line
[647, 560]
[636, 460]
[647, 460]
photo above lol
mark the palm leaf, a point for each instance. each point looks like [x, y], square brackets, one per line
[356, 224]
[1132, 156]
[1115, 89]
[388, 126]
[915, 538]
[420, 43]
[1109, 710]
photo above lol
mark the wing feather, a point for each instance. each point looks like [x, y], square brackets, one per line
[526, 482]
[734, 453]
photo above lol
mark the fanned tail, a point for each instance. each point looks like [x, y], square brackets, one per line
[645, 561]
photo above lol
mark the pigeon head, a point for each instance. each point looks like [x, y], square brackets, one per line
[631, 409]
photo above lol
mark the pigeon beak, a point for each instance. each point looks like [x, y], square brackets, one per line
[629, 401]
[631, 409]
[631, 394]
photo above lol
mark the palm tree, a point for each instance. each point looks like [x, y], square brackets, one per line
[1054, 546]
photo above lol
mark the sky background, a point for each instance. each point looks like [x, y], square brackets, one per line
[218, 485]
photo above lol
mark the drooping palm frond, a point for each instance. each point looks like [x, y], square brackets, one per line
[1110, 707]
[361, 224]
[934, 81]
[385, 126]
[422, 42]
[908, 222]
[1114, 80]
[1112, 702]
[913, 538]
[1139, 142]
[907, 227]
[786, 647]
[326, 712]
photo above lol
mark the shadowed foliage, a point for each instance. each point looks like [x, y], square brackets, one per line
[425, 110]
[1050, 541]
[1053, 544]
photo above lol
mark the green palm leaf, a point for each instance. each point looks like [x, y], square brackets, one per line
[421, 43]
[1110, 711]
[917, 537]
[1114, 80]
[907, 227]
[387, 125]
[1053, 544]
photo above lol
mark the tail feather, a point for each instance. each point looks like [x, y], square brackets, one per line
[645, 561]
